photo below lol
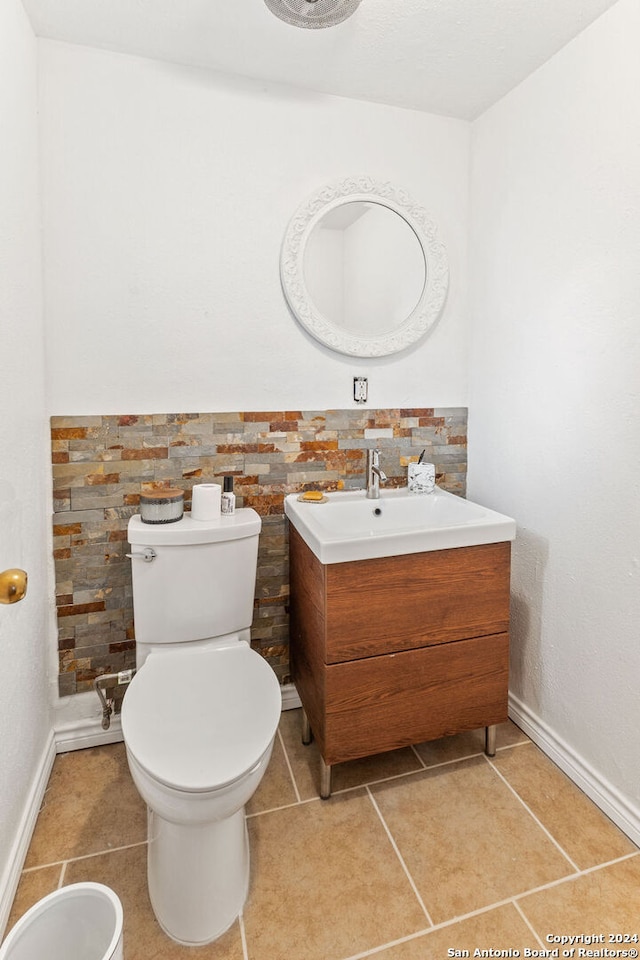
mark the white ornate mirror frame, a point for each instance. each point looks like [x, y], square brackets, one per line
[436, 269]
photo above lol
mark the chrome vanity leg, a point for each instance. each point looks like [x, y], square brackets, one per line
[306, 729]
[325, 780]
[490, 740]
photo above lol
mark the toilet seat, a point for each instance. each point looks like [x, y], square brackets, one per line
[197, 721]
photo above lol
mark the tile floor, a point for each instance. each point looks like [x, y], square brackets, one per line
[419, 853]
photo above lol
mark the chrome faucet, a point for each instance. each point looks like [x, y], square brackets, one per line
[375, 475]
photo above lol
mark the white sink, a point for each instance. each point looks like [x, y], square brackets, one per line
[347, 526]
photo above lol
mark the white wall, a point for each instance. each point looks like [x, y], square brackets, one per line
[167, 194]
[25, 495]
[554, 400]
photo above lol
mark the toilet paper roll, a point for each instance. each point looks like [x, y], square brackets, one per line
[205, 501]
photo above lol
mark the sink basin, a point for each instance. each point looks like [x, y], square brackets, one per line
[347, 526]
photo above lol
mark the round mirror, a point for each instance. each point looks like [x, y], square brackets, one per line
[363, 269]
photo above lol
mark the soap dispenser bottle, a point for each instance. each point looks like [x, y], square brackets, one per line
[228, 498]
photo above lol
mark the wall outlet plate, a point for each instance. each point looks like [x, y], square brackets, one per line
[360, 389]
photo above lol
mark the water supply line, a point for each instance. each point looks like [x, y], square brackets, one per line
[110, 680]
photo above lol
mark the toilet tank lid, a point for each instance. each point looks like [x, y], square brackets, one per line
[245, 522]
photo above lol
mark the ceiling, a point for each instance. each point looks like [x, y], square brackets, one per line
[450, 57]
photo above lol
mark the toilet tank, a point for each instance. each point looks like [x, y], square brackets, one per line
[201, 582]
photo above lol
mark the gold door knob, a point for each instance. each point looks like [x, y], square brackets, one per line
[13, 585]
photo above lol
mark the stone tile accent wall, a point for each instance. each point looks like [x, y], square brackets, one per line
[101, 464]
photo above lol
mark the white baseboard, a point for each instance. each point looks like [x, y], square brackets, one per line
[11, 876]
[78, 723]
[78, 734]
[607, 797]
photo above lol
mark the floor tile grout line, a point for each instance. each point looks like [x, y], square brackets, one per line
[512, 746]
[243, 937]
[381, 780]
[392, 943]
[467, 756]
[344, 790]
[432, 766]
[84, 856]
[289, 767]
[363, 786]
[418, 757]
[533, 816]
[452, 922]
[528, 922]
[395, 776]
[400, 857]
[444, 924]
[477, 912]
[408, 773]
[411, 773]
[444, 763]
[449, 763]
[489, 907]
[574, 876]
[62, 874]
[283, 806]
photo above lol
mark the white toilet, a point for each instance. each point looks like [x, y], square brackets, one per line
[200, 716]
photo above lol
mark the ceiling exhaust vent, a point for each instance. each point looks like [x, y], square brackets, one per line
[312, 14]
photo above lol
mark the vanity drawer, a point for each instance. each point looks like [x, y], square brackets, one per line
[386, 702]
[398, 603]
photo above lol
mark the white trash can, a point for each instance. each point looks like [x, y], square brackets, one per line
[80, 922]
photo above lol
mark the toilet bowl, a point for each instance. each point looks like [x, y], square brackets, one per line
[199, 727]
[80, 922]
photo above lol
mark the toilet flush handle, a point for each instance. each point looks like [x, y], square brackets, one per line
[148, 554]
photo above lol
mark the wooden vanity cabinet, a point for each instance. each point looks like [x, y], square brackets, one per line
[399, 650]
